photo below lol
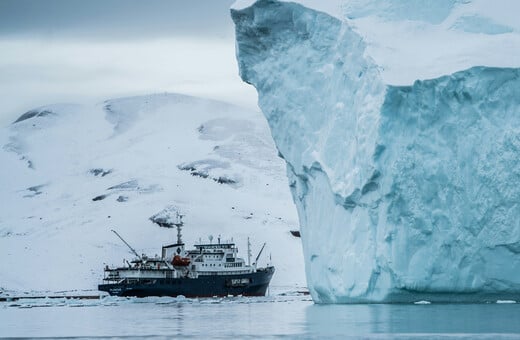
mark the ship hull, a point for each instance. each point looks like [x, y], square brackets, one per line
[251, 284]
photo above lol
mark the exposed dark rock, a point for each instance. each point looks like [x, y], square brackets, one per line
[202, 169]
[295, 233]
[187, 168]
[34, 190]
[33, 113]
[99, 198]
[224, 180]
[169, 217]
[100, 172]
[199, 174]
[133, 184]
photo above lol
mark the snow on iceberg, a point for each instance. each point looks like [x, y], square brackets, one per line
[404, 193]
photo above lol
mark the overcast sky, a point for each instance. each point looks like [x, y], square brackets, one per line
[115, 19]
[81, 51]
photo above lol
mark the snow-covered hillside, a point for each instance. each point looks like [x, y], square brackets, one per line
[406, 188]
[70, 173]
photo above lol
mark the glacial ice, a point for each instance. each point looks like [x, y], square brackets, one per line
[404, 193]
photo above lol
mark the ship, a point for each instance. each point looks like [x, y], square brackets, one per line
[208, 270]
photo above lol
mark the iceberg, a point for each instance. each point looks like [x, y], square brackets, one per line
[405, 190]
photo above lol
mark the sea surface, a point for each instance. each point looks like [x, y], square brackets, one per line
[283, 315]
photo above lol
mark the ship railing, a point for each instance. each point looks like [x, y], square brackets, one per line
[136, 280]
[117, 278]
[228, 272]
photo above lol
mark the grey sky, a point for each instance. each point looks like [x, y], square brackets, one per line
[115, 19]
[54, 51]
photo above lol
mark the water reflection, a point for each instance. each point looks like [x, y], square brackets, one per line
[241, 317]
[341, 320]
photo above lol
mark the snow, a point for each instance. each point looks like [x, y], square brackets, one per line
[70, 69]
[406, 189]
[106, 300]
[71, 175]
[422, 39]
[412, 40]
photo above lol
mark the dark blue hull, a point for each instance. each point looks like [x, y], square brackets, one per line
[253, 284]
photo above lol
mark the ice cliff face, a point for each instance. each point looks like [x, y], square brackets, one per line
[403, 192]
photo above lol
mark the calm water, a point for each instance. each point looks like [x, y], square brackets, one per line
[279, 316]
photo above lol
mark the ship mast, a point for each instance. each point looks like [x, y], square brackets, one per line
[258, 256]
[248, 252]
[178, 223]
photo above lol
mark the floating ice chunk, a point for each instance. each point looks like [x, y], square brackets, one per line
[422, 302]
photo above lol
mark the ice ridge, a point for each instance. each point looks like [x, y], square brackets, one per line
[404, 193]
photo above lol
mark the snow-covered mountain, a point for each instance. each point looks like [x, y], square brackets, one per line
[70, 173]
[406, 187]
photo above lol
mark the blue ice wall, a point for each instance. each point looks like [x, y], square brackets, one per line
[403, 193]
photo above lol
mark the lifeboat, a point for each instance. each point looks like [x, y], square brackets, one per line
[180, 261]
